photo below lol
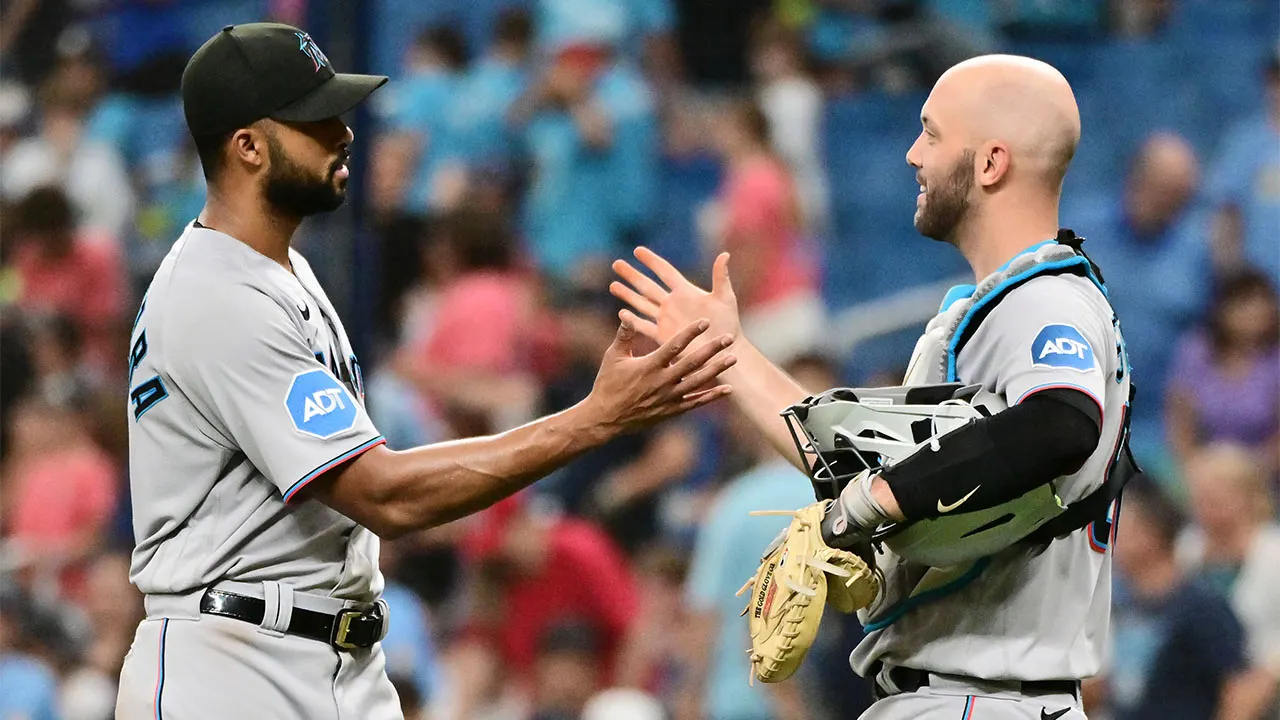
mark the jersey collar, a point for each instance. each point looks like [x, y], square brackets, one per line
[962, 292]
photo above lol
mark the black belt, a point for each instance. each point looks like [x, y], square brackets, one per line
[910, 680]
[345, 630]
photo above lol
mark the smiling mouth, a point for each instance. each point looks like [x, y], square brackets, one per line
[339, 170]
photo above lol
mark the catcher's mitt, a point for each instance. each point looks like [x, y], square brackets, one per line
[798, 575]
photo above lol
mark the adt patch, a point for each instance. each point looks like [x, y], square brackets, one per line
[1061, 346]
[319, 405]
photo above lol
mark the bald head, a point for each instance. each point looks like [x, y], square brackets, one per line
[1023, 103]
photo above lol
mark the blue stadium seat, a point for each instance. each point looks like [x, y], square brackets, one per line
[1075, 60]
[1199, 22]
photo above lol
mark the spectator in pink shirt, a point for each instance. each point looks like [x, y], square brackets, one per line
[62, 270]
[60, 491]
[469, 347]
[758, 220]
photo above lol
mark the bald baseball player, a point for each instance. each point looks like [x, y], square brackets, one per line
[259, 485]
[1010, 636]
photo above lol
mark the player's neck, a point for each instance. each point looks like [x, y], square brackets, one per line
[997, 235]
[252, 221]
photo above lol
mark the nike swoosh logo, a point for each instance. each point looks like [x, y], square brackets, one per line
[1046, 715]
[948, 508]
[306, 311]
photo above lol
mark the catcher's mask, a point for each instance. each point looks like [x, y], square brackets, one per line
[845, 431]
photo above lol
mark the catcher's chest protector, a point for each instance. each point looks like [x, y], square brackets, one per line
[934, 358]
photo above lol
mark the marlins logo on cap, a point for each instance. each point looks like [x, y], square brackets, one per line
[311, 50]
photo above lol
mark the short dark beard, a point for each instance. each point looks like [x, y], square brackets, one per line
[947, 203]
[294, 191]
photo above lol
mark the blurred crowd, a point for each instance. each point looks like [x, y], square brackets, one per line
[522, 146]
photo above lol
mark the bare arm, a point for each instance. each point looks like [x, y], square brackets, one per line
[394, 156]
[1246, 696]
[1180, 423]
[593, 124]
[393, 493]
[1225, 239]
[699, 632]
[668, 456]
[15, 21]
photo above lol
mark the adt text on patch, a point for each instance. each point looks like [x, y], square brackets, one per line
[319, 405]
[1062, 346]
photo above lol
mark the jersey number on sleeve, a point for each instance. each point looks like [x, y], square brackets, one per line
[146, 394]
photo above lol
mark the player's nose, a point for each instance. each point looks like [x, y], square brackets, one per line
[913, 154]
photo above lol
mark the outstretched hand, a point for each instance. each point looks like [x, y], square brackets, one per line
[632, 392]
[664, 311]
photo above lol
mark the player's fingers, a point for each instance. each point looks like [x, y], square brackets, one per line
[643, 326]
[699, 356]
[672, 349]
[721, 286]
[638, 302]
[704, 376]
[665, 271]
[643, 284]
[626, 334]
[702, 398]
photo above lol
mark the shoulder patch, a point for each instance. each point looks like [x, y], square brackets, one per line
[319, 405]
[1062, 346]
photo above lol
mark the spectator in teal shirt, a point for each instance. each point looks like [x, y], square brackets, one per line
[416, 136]
[592, 139]
[478, 115]
[628, 25]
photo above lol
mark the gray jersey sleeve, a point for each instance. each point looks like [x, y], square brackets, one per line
[246, 367]
[1048, 333]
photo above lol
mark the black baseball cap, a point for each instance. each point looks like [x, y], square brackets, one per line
[259, 70]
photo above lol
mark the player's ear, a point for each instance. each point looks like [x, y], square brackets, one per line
[992, 163]
[249, 145]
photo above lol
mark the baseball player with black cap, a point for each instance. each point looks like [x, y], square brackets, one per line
[259, 484]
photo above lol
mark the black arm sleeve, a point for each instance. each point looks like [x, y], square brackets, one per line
[1000, 458]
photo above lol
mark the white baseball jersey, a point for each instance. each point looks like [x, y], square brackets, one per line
[1021, 614]
[243, 388]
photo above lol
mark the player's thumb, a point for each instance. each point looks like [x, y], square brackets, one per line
[721, 286]
[621, 346]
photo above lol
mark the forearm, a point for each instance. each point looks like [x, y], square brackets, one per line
[397, 492]
[1225, 239]
[1246, 696]
[700, 633]
[668, 457]
[762, 391]
[1180, 422]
